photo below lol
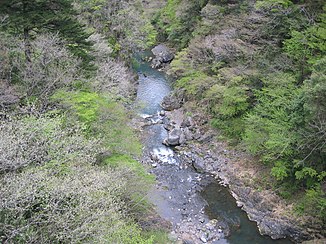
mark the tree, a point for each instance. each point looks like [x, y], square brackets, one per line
[30, 17]
[313, 134]
[52, 67]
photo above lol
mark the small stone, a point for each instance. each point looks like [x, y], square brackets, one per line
[203, 239]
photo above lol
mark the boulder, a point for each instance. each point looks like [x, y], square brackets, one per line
[173, 138]
[173, 101]
[163, 52]
[199, 164]
[182, 139]
[163, 55]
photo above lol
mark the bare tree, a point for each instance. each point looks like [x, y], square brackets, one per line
[52, 66]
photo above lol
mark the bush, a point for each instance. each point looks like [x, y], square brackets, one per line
[83, 205]
[271, 124]
[104, 118]
[31, 140]
[314, 203]
[52, 67]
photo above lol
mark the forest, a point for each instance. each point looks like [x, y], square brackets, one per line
[258, 69]
[70, 169]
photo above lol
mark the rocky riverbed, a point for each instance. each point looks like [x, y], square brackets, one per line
[197, 144]
[185, 156]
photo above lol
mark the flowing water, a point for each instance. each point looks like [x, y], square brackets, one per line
[180, 196]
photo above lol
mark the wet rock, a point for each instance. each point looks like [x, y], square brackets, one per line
[157, 63]
[211, 224]
[203, 239]
[162, 113]
[202, 220]
[164, 52]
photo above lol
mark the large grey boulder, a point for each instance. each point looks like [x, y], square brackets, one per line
[173, 138]
[162, 55]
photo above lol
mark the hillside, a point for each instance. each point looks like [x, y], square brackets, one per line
[248, 101]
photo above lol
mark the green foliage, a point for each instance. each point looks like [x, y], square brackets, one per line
[234, 102]
[180, 66]
[159, 236]
[232, 127]
[195, 84]
[32, 17]
[178, 19]
[280, 171]
[86, 104]
[118, 160]
[307, 174]
[151, 34]
[308, 46]
[104, 119]
[274, 4]
[272, 99]
[312, 134]
[270, 125]
[314, 203]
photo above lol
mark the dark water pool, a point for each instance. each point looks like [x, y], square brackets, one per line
[221, 204]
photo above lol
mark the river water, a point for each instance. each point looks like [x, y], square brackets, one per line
[183, 196]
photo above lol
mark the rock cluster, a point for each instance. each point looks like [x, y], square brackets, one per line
[260, 206]
[163, 55]
[205, 233]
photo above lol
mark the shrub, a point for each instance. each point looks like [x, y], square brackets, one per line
[270, 125]
[314, 203]
[30, 140]
[104, 118]
[84, 205]
[52, 67]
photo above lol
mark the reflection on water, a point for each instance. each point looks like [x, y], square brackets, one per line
[222, 205]
[153, 87]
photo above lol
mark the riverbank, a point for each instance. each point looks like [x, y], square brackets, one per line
[198, 162]
[238, 171]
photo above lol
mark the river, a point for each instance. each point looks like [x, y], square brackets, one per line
[191, 201]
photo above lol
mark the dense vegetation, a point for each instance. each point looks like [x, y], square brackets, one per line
[68, 172]
[68, 168]
[258, 69]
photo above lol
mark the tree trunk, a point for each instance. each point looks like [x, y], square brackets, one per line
[27, 43]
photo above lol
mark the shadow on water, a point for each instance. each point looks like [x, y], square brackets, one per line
[221, 204]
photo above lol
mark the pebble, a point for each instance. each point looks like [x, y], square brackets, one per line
[203, 239]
